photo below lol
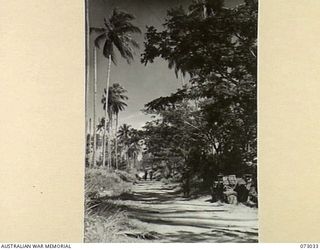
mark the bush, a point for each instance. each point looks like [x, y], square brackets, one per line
[126, 176]
[100, 183]
[166, 180]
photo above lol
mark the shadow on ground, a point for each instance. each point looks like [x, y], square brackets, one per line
[167, 217]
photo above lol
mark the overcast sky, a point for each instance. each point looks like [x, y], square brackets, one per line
[143, 83]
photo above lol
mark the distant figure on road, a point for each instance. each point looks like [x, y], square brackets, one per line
[145, 175]
[150, 175]
[186, 184]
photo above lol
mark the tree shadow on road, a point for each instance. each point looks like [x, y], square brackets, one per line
[217, 236]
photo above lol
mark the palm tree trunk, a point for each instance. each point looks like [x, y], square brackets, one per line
[109, 159]
[86, 127]
[87, 71]
[103, 143]
[94, 110]
[88, 138]
[89, 128]
[116, 140]
[128, 159]
[106, 116]
[104, 140]
[88, 123]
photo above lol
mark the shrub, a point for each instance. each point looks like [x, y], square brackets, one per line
[126, 176]
[101, 183]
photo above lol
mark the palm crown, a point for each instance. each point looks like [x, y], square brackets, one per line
[124, 132]
[117, 32]
[116, 98]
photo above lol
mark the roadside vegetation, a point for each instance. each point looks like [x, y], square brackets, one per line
[105, 219]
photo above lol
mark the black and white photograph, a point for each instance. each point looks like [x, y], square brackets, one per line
[171, 121]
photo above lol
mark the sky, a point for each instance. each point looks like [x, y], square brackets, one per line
[143, 83]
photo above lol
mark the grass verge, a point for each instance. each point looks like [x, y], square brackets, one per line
[104, 220]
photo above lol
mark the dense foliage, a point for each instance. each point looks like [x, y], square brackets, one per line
[210, 125]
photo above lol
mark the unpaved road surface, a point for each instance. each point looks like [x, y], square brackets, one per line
[160, 210]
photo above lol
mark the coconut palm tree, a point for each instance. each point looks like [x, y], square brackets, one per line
[124, 136]
[116, 32]
[124, 133]
[134, 145]
[116, 104]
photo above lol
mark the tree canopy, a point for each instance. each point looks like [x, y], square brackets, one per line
[117, 32]
[214, 117]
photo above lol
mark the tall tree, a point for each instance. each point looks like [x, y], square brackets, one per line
[94, 147]
[124, 137]
[116, 103]
[116, 32]
[118, 106]
[88, 123]
[134, 145]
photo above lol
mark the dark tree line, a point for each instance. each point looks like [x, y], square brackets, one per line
[209, 126]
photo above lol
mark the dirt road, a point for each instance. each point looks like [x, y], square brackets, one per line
[160, 210]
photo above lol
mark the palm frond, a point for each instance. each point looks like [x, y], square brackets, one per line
[135, 44]
[130, 41]
[107, 24]
[97, 30]
[125, 51]
[128, 28]
[99, 39]
[119, 16]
